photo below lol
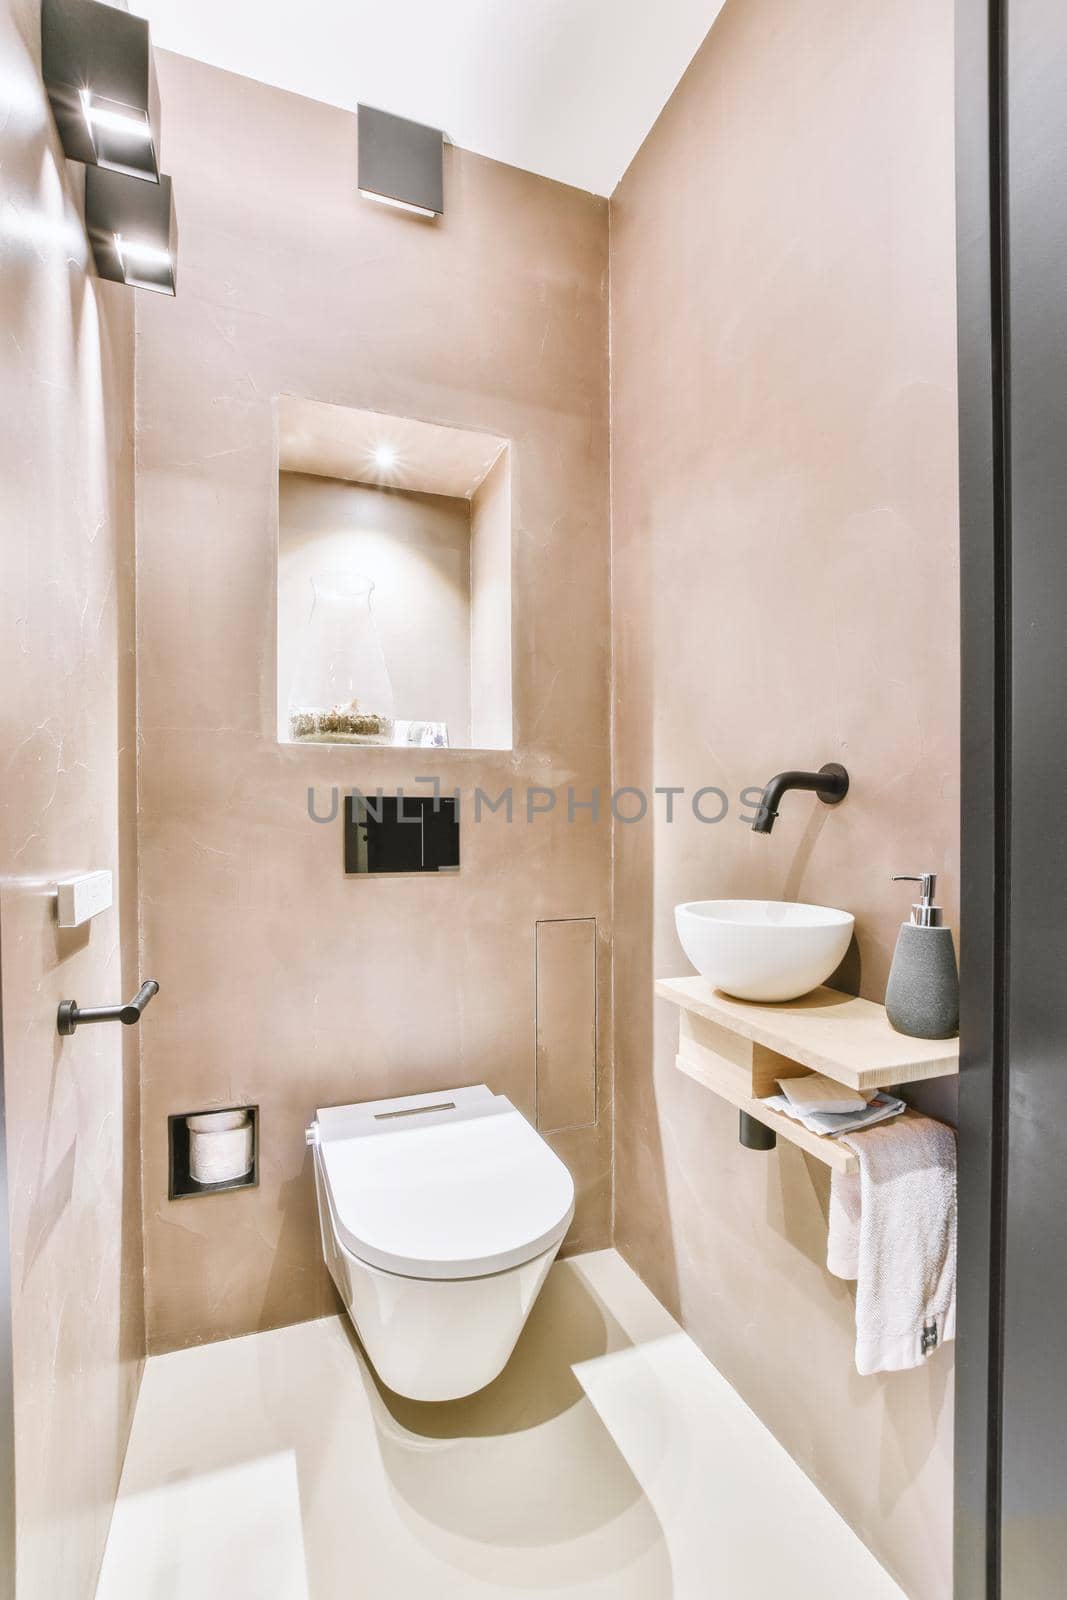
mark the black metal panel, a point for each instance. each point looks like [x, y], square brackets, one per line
[97, 58]
[1011, 1460]
[400, 833]
[1034, 1470]
[984, 539]
[401, 160]
[440, 836]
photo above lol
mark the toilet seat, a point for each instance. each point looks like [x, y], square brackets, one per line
[441, 1186]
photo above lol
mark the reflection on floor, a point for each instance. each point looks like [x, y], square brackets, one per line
[609, 1461]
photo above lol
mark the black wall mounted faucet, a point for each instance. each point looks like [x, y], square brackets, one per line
[830, 783]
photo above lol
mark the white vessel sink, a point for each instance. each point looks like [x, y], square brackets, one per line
[763, 949]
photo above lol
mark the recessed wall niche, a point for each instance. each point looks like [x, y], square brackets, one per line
[394, 581]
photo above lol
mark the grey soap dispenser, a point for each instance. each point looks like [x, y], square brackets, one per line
[922, 998]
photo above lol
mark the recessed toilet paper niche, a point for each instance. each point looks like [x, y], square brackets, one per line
[213, 1150]
[394, 580]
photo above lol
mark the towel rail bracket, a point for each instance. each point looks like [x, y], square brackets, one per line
[71, 1016]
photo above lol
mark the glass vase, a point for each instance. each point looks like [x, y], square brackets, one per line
[341, 692]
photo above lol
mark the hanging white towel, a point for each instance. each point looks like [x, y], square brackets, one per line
[893, 1229]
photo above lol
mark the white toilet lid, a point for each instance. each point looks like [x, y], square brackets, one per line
[449, 1185]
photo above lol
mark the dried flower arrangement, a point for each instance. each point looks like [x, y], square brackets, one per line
[340, 725]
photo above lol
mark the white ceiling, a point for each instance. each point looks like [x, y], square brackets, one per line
[567, 88]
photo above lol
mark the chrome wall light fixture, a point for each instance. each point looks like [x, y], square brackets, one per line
[401, 163]
[132, 229]
[98, 70]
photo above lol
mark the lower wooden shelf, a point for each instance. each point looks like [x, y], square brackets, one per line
[745, 1075]
[724, 1079]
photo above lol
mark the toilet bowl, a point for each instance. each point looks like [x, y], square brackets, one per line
[440, 1216]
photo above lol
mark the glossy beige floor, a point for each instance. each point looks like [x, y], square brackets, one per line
[609, 1461]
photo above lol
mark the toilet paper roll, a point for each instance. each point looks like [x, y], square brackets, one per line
[216, 1121]
[219, 1157]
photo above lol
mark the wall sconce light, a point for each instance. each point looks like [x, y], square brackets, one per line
[401, 163]
[132, 229]
[98, 70]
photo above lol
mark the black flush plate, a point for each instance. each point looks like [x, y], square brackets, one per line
[400, 833]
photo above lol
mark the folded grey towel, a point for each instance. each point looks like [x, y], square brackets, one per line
[835, 1123]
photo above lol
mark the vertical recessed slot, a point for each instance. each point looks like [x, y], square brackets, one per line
[566, 1024]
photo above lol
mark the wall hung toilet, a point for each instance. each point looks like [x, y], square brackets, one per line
[440, 1216]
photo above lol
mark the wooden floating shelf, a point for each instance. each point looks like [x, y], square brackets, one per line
[836, 1034]
[739, 1050]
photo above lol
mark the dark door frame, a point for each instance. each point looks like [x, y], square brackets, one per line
[985, 548]
[1011, 1435]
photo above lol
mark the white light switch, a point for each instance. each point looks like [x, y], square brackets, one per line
[78, 899]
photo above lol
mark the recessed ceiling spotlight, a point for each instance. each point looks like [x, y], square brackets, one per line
[385, 457]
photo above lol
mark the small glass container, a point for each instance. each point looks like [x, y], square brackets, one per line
[341, 691]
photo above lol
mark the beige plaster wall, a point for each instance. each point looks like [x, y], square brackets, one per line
[283, 983]
[785, 594]
[66, 806]
[491, 725]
